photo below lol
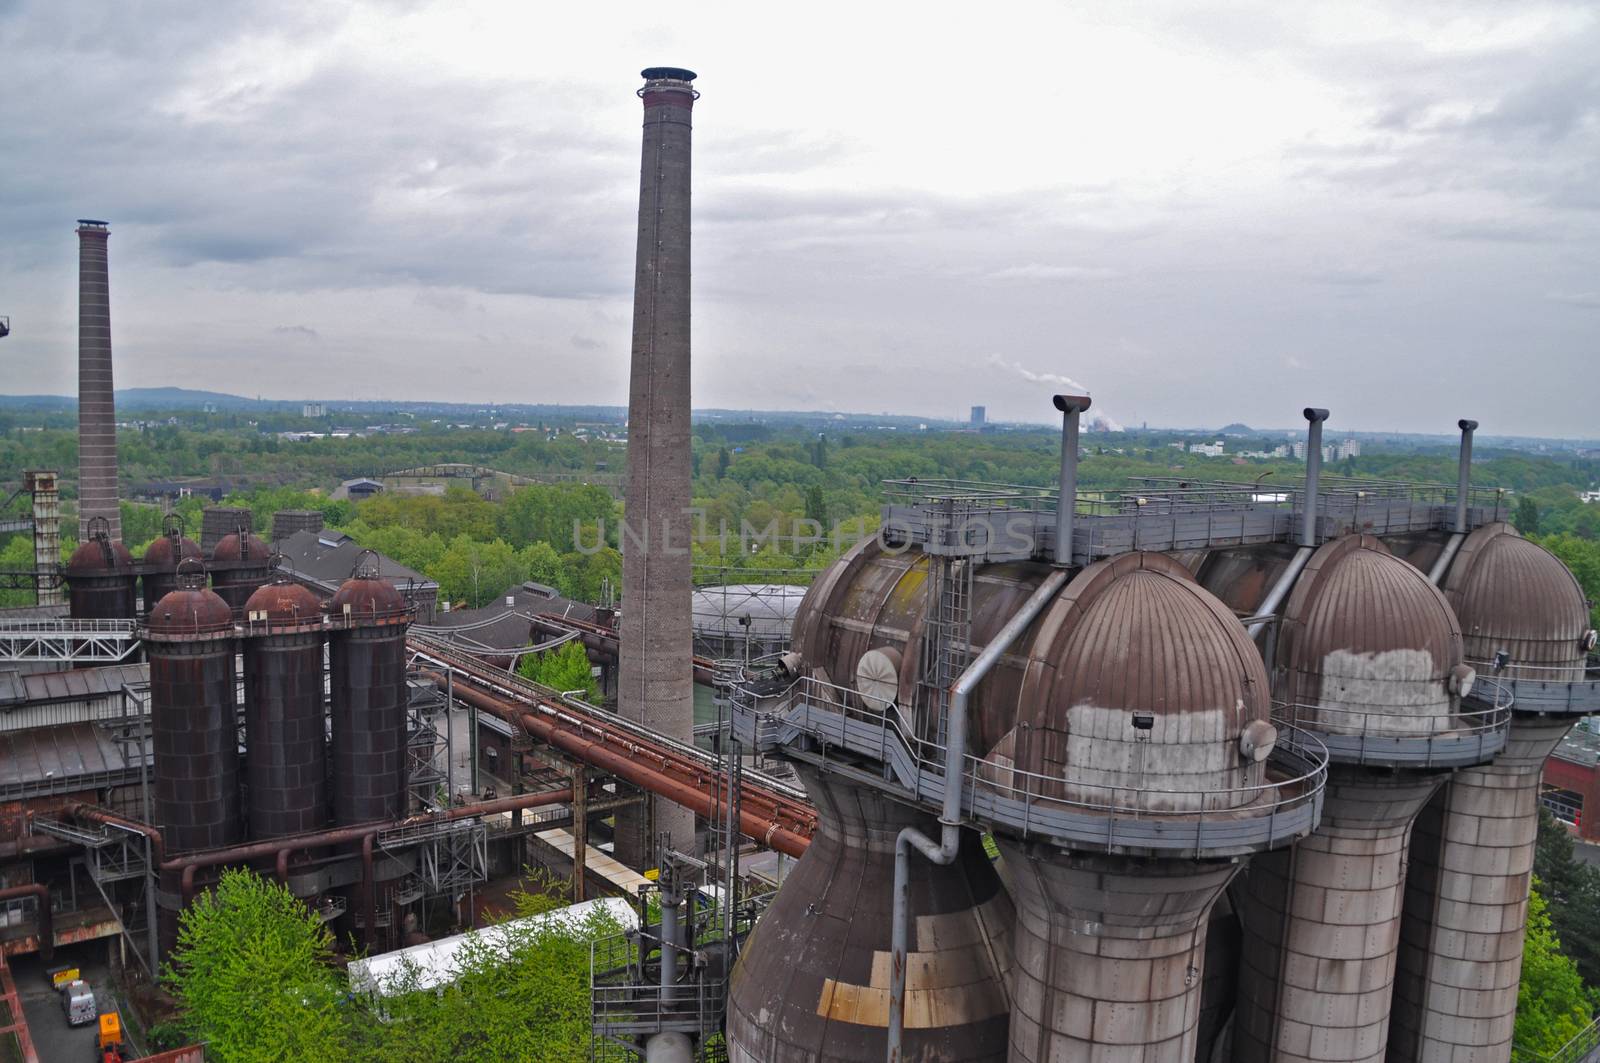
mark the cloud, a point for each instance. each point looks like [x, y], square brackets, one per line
[1584, 300]
[303, 331]
[1035, 271]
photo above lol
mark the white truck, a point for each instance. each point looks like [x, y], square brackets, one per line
[77, 1001]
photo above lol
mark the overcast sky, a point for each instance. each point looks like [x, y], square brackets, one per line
[1389, 209]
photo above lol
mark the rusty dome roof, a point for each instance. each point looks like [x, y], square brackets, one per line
[189, 610]
[229, 548]
[168, 550]
[1136, 633]
[367, 597]
[1515, 595]
[99, 555]
[284, 602]
[1359, 615]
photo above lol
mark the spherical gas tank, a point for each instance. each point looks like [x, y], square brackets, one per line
[284, 721]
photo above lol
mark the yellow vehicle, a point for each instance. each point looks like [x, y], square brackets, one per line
[60, 976]
[109, 1047]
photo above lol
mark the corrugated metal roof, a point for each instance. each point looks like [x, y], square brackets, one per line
[1515, 595]
[72, 685]
[57, 753]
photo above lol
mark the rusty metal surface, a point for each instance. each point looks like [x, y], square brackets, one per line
[101, 582]
[1515, 595]
[812, 983]
[1357, 607]
[237, 577]
[193, 727]
[58, 753]
[285, 746]
[73, 685]
[161, 566]
[368, 667]
[1138, 678]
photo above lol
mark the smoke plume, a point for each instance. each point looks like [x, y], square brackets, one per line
[1098, 420]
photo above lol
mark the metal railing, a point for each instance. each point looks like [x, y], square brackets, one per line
[1584, 1047]
[1472, 732]
[1285, 805]
[1568, 689]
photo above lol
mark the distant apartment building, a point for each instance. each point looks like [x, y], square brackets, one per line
[980, 415]
[1350, 448]
[1589, 496]
[1210, 450]
[314, 409]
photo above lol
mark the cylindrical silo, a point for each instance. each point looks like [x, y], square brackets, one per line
[1471, 858]
[241, 563]
[1369, 658]
[286, 758]
[368, 661]
[812, 984]
[1141, 691]
[101, 581]
[189, 637]
[161, 560]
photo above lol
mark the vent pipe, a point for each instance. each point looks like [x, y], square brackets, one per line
[1314, 418]
[1071, 406]
[1464, 473]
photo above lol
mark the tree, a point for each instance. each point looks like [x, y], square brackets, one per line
[477, 572]
[1526, 517]
[1572, 890]
[252, 970]
[1553, 1005]
[564, 668]
[724, 459]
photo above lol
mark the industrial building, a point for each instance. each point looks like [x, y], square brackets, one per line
[1179, 773]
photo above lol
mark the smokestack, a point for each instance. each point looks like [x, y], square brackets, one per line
[1464, 473]
[97, 415]
[1314, 418]
[657, 672]
[1071, 406]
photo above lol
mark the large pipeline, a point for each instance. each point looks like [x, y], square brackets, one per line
[770, 819]
[41, 895]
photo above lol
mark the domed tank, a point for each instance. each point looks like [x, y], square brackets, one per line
[812, 984]
[189, 638]
[1143, 693]
[161, 559]
[286, 741]
[101, 581]
[241, 563]
[1472, 849]
[1369, 658]
[875, 599]
[368, 663]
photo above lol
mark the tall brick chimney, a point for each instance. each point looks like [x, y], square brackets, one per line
[97, 415]
[657, 668]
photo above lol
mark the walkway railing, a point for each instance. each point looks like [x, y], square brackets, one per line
[1385, 736]
[1284, 806]
[1583, 1048]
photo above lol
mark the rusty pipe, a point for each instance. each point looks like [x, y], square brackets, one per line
[322, 839]
[96, 814]
[283, 867]
[41, 895]
[767, 831]
[369, 890]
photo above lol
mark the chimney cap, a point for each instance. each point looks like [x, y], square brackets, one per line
[1467, 425]
[1314, 414]
[666, 73]
[1071, 403]
[92, 223]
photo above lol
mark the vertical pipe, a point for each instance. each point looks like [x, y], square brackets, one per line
[97, 418]
[1071, 406]
[944, 851]
[657, 686]
[1464, 473]
[1314, 418]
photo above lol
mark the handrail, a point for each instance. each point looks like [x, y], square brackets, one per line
[1389, 721]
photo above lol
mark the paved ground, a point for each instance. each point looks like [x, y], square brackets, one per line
[56, 1041]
